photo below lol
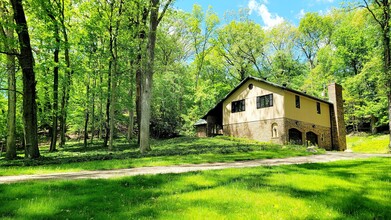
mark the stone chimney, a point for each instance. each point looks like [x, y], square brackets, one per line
[338, 129]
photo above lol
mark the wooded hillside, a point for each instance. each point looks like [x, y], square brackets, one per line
[108, 68]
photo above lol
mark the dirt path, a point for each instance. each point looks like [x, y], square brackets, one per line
[104, 174]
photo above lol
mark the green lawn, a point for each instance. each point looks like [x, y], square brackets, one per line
[183, 150]
[368, 143]
[359, 189]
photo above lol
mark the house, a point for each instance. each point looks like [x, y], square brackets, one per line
[261, 110]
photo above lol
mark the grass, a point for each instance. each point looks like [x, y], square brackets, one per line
[184, 150]
[364, 143]
[359, 189]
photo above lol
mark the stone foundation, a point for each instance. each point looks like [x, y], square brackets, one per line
[277, 131]
[323, 133]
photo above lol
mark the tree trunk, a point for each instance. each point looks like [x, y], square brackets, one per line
[8, 36]
[66, 83]
[108, 103]
[29, 91]
[373, 125]
[131, 107]
[389, 115]
[139, 70]
[87, 114]
[55, 89]
[101, 117]
[112, 108]
[387, 59]
[146, 80]
[11, 120]
[138, 94]
[93, 112]
[383, 20]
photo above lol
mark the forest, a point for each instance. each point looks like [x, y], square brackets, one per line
[140, 69]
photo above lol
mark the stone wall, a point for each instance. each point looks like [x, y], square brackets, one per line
[263, 131]
[323, 133]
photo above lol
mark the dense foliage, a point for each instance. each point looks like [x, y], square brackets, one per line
[198, 60]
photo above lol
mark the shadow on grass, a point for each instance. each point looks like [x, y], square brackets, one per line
[312, 191]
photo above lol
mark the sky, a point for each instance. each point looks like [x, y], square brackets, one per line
[266, 12]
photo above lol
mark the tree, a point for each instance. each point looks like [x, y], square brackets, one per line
[146, 81]
[52, 9]
[29, 92]
[281, 60]
[68, 76]
[314, 32]
[381, 13]
[201, 30]
[235, 43]
[7, 35]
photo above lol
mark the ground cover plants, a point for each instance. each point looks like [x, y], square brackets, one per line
[183, 150]
[359, 189]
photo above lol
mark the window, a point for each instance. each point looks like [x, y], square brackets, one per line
[251, 86]
[318, 107]
[297, 101]
[238, 106]
[265, 101]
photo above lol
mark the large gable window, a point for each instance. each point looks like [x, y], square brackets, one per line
[238, 106]
[265, 101]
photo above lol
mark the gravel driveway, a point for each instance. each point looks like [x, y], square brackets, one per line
[104, 174]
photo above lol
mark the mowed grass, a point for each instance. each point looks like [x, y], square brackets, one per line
[368, 143]
[359, 189]
[184, 150]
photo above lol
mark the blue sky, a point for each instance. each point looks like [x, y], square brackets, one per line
[266, 12]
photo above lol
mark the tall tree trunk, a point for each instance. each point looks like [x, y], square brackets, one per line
[8, 35]
[146, 80]
[87, 114]
[67, 80]
[101, 117]
[387, 67]
[11, 120]
[113, 31]
[138, 94]
[55, 89]
[112, 108]
[383, 19]
[93, 112]
[387, 58]
[108, 103]
[141, 35]
[29, 91]
[131, 105]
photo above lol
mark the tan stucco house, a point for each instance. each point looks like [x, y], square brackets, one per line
[261, 110]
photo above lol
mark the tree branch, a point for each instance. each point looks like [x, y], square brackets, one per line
[9, 53]
[164, 11]
[373, 14]
[4, 89]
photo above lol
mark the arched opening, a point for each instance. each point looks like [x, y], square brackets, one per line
[312, 138]
[295, 136]
[274, 130]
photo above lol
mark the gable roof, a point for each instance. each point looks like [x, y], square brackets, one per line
[219, 104]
